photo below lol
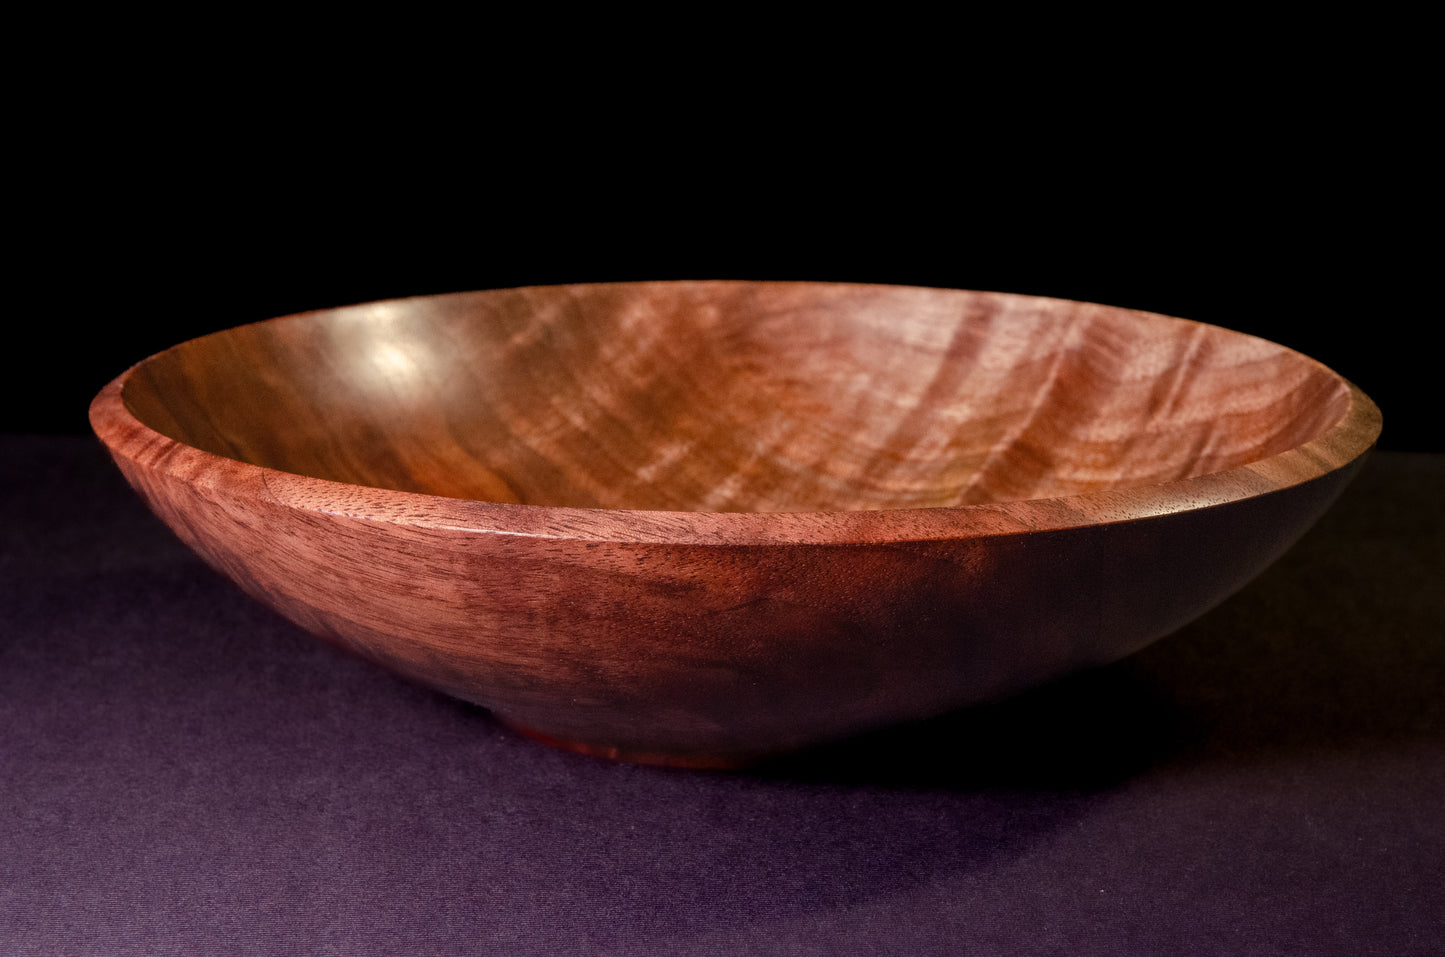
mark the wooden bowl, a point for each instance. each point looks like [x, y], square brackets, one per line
[701, 523]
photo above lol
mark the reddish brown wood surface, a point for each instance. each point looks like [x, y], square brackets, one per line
[705, 522]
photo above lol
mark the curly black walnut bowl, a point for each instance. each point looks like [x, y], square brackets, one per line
[702, 523]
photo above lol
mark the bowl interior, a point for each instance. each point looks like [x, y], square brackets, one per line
[723, 396]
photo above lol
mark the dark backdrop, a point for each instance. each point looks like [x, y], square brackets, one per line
[1289, 226]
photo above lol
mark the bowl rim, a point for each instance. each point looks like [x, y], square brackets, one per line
[1340, 445]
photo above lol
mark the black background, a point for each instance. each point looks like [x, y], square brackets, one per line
[153, 210]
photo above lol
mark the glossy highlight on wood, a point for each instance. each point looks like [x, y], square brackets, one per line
[702, 523]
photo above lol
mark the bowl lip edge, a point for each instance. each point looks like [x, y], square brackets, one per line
[1344, 443]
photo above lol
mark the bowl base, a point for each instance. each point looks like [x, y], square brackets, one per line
[696, 761]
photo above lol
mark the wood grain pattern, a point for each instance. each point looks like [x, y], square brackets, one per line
[706, 522]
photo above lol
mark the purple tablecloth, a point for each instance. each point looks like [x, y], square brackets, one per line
[183, 772]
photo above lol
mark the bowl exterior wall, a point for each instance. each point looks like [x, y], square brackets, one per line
[719, 654]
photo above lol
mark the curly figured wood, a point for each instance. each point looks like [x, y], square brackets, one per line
[737, 397]
[702, 522]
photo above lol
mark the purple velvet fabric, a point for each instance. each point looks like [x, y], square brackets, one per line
[183, 772]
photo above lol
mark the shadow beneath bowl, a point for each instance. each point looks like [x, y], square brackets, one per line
[1081, 734]
[1335, 647]
[1340, 646]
